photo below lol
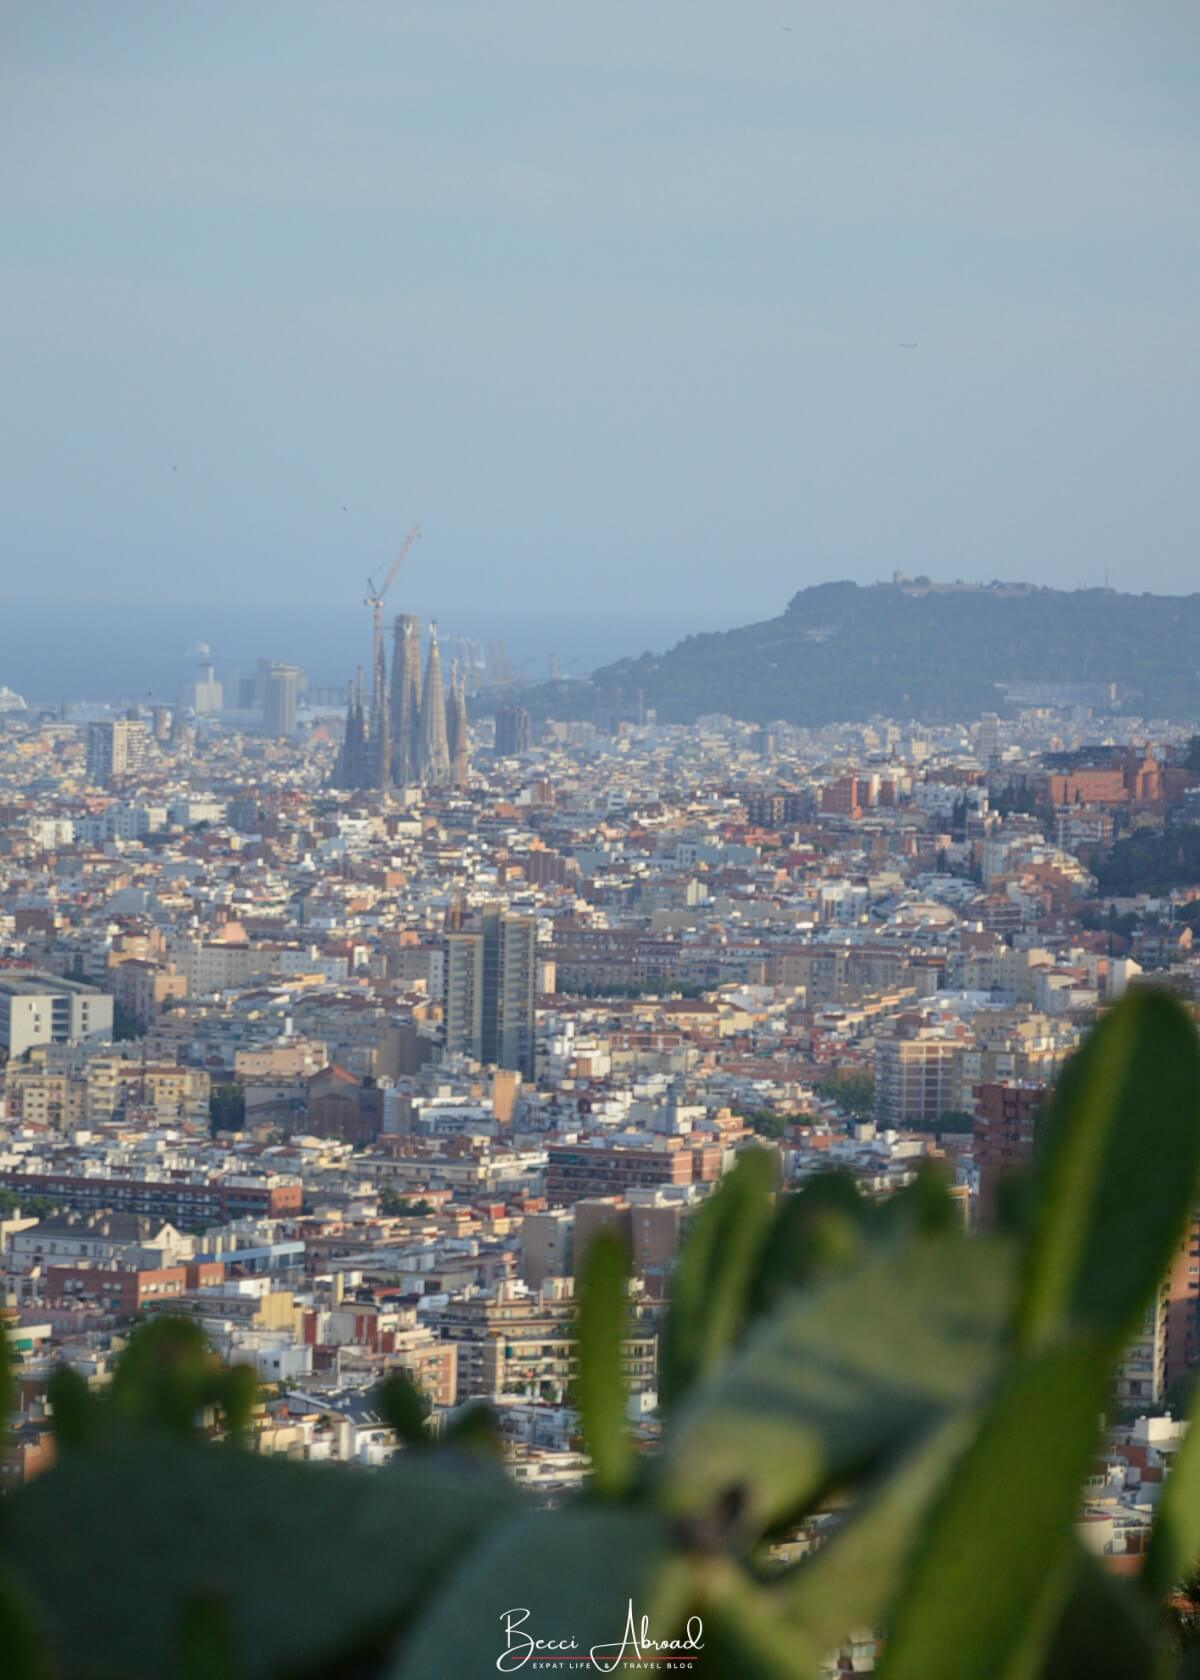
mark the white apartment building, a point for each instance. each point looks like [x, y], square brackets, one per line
[37, 1008]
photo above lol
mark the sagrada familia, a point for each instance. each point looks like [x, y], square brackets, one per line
[414, 733]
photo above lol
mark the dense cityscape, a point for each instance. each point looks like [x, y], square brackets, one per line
[343, 1031]
[606, 1083]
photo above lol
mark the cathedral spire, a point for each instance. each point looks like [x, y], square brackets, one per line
[434, 752]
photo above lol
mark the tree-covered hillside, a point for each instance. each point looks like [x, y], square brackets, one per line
[841, 651]
[1151, 862]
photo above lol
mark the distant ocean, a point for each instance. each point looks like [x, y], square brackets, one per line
[121, 651]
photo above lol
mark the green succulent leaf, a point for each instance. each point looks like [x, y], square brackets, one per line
[1105, 1631]
[1175, 1541]
[924, 1205]
[205, 1646]
[404, 1408]
[1120, 1164]
[852, 1374]
[167, 1375]
[237, 1397]
[296, 1563]
[473, 1428]
[712, 1279]
[852, 1580]
[744, 1634]
[574, 1574]
[600, 1386]
[995, 1560]
[77, 1414]
[22, 1649]
[821, 1228]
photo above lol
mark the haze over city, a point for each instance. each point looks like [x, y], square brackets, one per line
[661, 309]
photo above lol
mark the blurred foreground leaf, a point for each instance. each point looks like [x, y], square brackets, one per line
[712, 1279]
[22, 1650]
[1120, 1161]
[600, 1385]
[404, 1407]
[1175, 1542]
[473, 1428]
[822, 1227]
[1105, 1631]
[847, 1375]
[298, 1562]
[570, 1574]
[851, 1581]
[994, 1562]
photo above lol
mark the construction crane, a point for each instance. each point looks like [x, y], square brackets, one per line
[379, 707]
[374, 600]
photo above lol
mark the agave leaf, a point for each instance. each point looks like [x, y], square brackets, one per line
[293, 1563]
[600, 1386]
[848, 1376]
[713, 1276]
[1121, 1157]
[572, 1574]
[995, 1560]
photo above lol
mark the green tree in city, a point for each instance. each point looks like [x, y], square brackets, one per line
[126, 1025]
[227, 1107]
[394, 1204]
[852, 1091]
[768, 1124]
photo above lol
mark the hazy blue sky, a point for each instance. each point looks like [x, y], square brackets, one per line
[610, 297]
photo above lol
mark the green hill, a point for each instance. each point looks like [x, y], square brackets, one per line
[841, 651]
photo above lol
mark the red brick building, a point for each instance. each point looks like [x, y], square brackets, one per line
[576, 1170]
[1005, 1123]
[123, 1291]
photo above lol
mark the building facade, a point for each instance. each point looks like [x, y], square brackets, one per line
[489, 991]
[37, 1008]
[114, 749]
